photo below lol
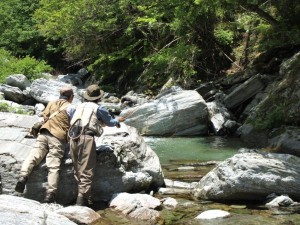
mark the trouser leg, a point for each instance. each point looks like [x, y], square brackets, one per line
[53, 161]
[83, 154]
[35, 156]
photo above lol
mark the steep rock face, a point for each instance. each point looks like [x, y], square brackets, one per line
[251, 176]
[282, 105]
[125, 162]
[275, 119]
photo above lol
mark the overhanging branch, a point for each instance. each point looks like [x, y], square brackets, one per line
[267, 17]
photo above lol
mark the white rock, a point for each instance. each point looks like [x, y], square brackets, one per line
[213, 214]
[170, 202]
[79, 214]
[280, 201]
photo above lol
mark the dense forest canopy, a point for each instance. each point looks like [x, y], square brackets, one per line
[125, 43]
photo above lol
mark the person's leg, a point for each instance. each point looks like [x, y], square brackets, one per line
[34, 158]
[86, 167]
[53, 162]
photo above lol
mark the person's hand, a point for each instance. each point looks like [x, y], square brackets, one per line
[121, 119]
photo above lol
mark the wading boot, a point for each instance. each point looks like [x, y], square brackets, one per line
[50, 197]
[20, 186]
[81, 201]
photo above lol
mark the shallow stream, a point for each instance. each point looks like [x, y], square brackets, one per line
[189, 159]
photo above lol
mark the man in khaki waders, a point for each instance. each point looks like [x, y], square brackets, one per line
[83, 148]
[51, 142]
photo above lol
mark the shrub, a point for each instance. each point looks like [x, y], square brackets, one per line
[4, 107]
[28, 66]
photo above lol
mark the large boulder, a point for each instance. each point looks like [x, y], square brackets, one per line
[18, 80]
[22, 211]
[244, 91]
[12, 93]
[44, 91]
[178, 113]
[125, 163]
[251, 176]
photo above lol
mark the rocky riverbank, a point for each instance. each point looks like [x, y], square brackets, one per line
[259, 108]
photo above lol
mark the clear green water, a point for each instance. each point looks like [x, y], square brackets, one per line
[176, 152]
[194, 149]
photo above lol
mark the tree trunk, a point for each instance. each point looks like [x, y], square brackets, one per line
[261, 13]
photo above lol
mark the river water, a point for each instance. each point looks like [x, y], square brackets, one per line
[193, 149]
[176, 156]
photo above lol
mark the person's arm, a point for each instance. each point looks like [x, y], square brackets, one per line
[70, 111]
[104, 116]
[46, 112]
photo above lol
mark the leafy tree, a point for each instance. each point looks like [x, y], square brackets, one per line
[124, 40]
[19, 33]
[17, 26]
[128, 41]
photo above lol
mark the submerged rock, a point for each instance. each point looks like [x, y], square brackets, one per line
[213, 214]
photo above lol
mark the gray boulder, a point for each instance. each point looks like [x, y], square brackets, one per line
[79, 214]
[244, 91]
[18, 80]
[12, 93]
[285, 140]
[22, 211]
[44, 91]
[219, 115]
[139, 206]
[251, 176]
[180, 113]
[124, 163]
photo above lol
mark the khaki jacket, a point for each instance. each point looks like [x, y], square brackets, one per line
[59, 124]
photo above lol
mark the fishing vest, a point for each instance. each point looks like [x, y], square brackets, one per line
[58, 125]
[86, 112]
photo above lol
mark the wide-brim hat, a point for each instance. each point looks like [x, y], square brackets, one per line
[93, 92]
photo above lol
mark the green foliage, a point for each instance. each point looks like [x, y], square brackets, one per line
[176, 62]
[31, 67]
[28, 66]
[4, 107]
[131, 42]
[224, 36]
[120, 40]
[17, 28]
[274, 118]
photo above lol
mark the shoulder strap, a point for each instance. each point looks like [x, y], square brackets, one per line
[64, 106]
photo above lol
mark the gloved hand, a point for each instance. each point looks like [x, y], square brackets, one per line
[34, 131]
[121, 119]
